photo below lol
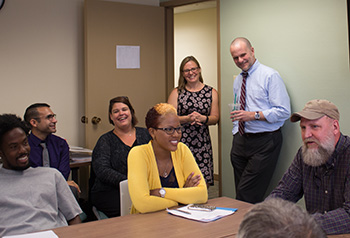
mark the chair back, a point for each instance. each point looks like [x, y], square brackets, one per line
[125, 200]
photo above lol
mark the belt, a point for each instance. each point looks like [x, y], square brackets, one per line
[260, 134]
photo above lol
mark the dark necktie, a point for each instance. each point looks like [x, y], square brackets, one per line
[242, 101]
[46, 159]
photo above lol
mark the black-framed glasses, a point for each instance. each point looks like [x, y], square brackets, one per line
[49, 117]
[186, 71]
[170, 130]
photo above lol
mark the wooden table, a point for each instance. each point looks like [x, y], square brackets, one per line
[80, 174]
[76, 165]
[160, 224]
[79, 157]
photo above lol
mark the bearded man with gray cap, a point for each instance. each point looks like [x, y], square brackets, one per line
[321, 168]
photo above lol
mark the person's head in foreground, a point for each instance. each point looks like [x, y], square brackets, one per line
[164, 127]
[277, 218]
[14, 147]
[320, 132]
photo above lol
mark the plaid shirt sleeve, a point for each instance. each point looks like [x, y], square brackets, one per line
[290, 187]
[336, 221]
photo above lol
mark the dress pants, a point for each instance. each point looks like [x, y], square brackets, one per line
[254, 158]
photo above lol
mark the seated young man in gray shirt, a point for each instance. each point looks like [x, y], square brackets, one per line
[32, 199]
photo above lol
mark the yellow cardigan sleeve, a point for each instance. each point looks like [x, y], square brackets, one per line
[142, 170]
[184, 164]
[143, 176]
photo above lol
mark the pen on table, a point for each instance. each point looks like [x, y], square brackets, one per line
[183, 211]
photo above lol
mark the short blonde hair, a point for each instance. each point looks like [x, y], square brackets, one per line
[153, 114]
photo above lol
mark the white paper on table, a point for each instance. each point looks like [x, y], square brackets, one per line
[40, 234]
[202, 216]
[76, 149]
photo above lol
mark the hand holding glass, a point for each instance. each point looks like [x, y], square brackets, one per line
[234, 106]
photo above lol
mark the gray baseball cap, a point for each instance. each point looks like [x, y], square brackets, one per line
[316, 109]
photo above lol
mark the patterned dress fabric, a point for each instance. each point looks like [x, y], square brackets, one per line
[197, 137]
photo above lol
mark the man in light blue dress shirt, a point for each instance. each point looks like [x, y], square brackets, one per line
[254, 154]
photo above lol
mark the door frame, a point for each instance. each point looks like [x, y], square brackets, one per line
[169, 38]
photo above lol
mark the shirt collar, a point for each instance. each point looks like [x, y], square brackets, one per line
[253, 67]
[36, 141]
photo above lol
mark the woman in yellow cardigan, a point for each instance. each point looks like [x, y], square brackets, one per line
[163, 173]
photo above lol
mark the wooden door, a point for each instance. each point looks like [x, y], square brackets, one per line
[108, 24]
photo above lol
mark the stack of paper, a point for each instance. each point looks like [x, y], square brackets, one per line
[80, 154]
[203, 216]
[79, 150]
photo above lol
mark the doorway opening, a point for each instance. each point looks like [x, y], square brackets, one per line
[195, 33]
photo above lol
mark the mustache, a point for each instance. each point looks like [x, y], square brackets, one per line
[313, 140]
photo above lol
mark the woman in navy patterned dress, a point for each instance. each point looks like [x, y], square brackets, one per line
[198, 107]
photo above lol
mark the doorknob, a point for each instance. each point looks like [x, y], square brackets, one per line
[84, 120]
[95, 120]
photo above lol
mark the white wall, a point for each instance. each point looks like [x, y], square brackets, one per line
[307, 42]
[41, 60]
[195, 33]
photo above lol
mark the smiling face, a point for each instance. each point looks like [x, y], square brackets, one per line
[14, 150]
[242, 55]
[44, 124]
[163, 141]
[191, 72]
[120, 115]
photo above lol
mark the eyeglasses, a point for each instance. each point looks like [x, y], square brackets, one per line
[170, 130]
[186, 71]
[49, 117]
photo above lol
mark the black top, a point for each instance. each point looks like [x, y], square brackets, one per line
[170, 181]
[109, 168]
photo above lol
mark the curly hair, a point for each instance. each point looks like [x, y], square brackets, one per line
[9, 122]
[153, 114]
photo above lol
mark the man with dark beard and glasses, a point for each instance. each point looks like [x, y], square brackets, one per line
[31, 199]
[321, 168]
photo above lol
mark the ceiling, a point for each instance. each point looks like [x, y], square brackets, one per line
[195, 6]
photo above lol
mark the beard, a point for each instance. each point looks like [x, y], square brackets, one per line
[318, 156]
[18, 168]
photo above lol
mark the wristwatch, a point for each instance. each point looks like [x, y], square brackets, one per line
[257, 116]
[162, 192]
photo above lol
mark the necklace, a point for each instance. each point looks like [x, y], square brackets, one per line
[165, 173]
